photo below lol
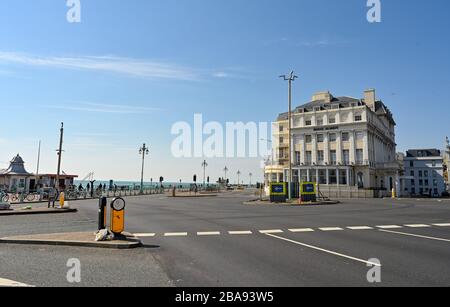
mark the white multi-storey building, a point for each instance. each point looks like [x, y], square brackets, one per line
[425, 168]
[342, 143]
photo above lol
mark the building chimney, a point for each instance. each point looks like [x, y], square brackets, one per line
[323, 96]
[370, 98]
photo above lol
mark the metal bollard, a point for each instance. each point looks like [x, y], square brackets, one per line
[103, 202]
[118, 216]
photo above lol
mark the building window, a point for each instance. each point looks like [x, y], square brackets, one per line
[319, 122]
[421, 182]
[358, 118]
[342, 177]
[359, 156]
[281, 140]
[345, 137]
[322, 176]
[308, 123]
[412, 174]
[320, 157]
[435, 183]
[413, 182]
[332, 120]
[333, 159]
[346, 157]
[425, 173]
[308, 139]
[297, 157]
[281, 128]
[411, 164]
[332, 137]
[332, 177]
[420, 174]
[320, 138]
[308, 157]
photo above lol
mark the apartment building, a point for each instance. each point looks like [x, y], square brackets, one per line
[342, 143]
[425, 169]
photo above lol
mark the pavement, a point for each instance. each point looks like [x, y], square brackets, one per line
[200, 242]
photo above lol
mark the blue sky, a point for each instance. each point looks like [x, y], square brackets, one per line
[131, 69]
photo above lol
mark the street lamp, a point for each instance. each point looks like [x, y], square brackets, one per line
[250, 175]
[291, 77]
[144, 150]
[204, 165]
[239, 175]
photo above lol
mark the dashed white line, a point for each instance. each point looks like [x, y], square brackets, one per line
[417, 236]
[417, 226]
[302, 230]
[145, 235]
[331, 229]
[442, 225]
[12, 283]
[208, 233]
[246, 232]
[271, 231]
[389, 227]
[176, 234]
[360, 228]
[325, 250]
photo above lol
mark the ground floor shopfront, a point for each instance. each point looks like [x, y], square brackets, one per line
[341, 180]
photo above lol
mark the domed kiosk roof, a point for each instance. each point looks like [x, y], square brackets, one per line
[16, 167]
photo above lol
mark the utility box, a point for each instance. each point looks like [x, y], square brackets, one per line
[278, 192]
[308, 191]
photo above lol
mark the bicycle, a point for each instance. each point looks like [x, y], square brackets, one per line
[4, 197]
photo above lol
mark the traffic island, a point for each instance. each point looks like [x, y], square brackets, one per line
[31, 211]
[192, 195]
[295, 203]
[76, 239]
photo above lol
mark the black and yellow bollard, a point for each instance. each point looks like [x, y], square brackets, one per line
[103, 202]
[117, 216]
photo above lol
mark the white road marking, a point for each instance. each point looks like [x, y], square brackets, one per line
[442, 225]
[12, 283]
[389, 227]
[417, 236]
[176, 234]
[325, 250]
[271, 231]
[247, 232]
[209, 233]
[144, 235]
[331, 229]
[418, 226]
[302, 230]
[360, 228]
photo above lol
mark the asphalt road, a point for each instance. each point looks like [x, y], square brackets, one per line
[221, 242]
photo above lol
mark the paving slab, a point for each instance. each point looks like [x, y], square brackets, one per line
[79, 239]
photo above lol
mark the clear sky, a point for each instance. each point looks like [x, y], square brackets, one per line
[131, 69]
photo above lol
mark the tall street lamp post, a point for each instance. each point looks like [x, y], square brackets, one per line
[144, 150]
[204, 165]
[290, 78]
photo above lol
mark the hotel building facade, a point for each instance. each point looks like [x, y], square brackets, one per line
[344, 144]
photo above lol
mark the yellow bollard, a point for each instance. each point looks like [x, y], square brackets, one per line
[61, 200]
[393, 194]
